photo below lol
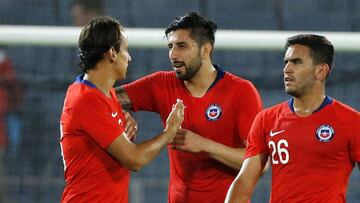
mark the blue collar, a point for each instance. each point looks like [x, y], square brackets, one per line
[219, 75]
[80, 79]
[327, 100]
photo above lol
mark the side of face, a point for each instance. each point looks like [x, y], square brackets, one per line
[184, 54]
[122, 58]
[299, 71]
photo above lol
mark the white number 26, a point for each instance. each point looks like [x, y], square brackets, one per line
[281, 150]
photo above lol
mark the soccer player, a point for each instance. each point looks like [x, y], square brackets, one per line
[207, 151]
[312, 139]
[96, 150]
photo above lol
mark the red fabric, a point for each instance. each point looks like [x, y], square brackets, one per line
[90, 122]
[197, 177]
[305, 169]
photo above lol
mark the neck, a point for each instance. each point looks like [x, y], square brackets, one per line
[100, 80]
[307, 104]
[202, 80]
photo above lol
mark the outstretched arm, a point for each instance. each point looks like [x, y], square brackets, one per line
[123, 98]
[135, 156]
[189, 141]
[244, 184]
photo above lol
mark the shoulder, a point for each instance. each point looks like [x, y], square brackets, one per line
[163, 74]
[345, 111]
[276, 110]
[238, 82]
[158, 77]
[81, 95]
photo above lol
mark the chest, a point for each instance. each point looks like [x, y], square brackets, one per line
[307, 141]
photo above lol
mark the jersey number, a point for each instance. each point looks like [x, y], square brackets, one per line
[281, 150]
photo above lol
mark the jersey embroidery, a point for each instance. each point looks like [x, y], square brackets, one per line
[325, 133]
[213, 112]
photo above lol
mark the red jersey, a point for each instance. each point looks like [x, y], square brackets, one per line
[90, 122]
[224, 114]
[313, 156]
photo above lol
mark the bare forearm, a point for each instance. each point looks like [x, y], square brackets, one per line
[231, 157]
[244, 184]
[135, 156]
[123, 98]
[240, 196]
[148, 150]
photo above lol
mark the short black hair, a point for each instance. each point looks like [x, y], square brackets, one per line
[92, 6]
[202, 29]
[97, 37]
[322, 50]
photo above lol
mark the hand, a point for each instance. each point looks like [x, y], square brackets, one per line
[131, 126]
[189, 141]
[176, 117]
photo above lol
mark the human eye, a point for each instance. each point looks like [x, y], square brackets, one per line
[183, 45]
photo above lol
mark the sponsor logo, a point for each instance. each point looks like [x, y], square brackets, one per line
[272, 134]
[213, 112]
[325, 133]
[113, 114]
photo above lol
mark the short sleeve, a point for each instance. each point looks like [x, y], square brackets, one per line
[256, 142]
[249, 105]
[98, 121]
[140, 93]
[355, 141]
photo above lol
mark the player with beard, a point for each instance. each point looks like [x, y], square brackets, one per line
[207, 152]
[312, 139]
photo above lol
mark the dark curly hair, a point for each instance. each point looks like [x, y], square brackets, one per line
[96, 38]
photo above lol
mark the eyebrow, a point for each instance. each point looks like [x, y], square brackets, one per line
[293, 59]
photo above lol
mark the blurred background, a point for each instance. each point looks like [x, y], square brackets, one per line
[33, 81]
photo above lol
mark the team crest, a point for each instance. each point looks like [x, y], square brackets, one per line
[213, 112]
[325, 133]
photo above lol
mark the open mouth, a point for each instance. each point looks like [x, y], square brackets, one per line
[288, 80]
[177, 64]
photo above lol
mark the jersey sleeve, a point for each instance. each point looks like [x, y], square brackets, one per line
[250, 104]
[95, 118]
[256, 142]
[355, 141]
[141, 93]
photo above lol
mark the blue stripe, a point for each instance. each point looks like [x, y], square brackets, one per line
[219, 75]
[80, 79]
[327, 100]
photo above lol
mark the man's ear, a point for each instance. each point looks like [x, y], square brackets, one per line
[206, 49]
[322, 71]
[111, 54]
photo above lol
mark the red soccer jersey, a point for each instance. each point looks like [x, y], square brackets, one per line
[313, 156]
[90, 122]
[223, 114]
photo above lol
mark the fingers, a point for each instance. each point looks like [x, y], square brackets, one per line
[131, 134]
[179, 107]
[130, 126]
